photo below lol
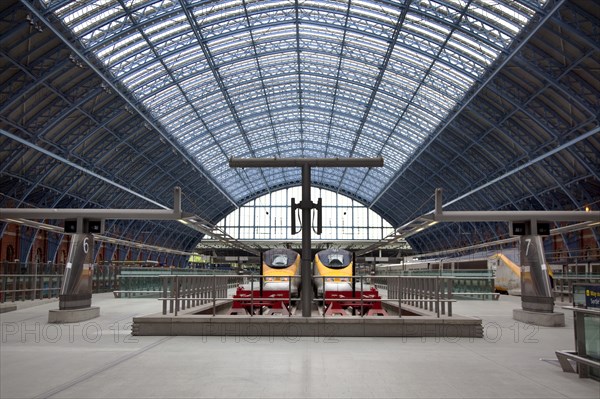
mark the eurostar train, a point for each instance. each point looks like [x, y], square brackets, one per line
[336, 266]
[278, 266]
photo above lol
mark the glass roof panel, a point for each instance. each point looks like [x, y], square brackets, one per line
[315, 78]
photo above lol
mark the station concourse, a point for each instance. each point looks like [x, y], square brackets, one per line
[242, 198]
[100, 359]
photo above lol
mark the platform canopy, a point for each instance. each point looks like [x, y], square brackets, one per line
[493, 100]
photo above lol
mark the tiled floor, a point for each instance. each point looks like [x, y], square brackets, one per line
[100, 359]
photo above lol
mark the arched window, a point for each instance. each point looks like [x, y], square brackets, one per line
[10, 253]
[269, 218]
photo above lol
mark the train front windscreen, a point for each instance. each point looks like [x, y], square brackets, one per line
[280, 259]
[335, 260]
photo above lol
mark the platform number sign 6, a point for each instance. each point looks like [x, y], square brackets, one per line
[86, 245]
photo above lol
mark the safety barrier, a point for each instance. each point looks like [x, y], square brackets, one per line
[106, 278]
[147, 281]
[181, 292]
[431, 293]
[563, 285]
[30, 281]
[21, 287]
[587, 348]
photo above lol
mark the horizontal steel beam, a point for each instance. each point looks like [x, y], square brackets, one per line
[99, 213]
[299, 162]
[514, 216]
[99, 237]
[507, 216]
[74, 213]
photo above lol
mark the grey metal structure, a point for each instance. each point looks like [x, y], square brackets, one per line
[114, 103]
[76, 290]
[536, 290]
[306, 205]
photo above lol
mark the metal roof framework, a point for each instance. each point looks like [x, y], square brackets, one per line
[460, 94]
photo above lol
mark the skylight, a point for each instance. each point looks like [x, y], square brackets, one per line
[328, 79]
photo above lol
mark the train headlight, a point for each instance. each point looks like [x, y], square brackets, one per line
[269, 279]
[329, 280]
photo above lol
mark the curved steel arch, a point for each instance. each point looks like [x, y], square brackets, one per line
[404, 26]
[534, 98]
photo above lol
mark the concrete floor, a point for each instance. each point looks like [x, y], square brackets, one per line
[100, 359]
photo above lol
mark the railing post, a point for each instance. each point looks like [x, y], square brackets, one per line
[199, 284]
[429, 293]
[164, 295]
[426, 292]
[15, 285]
[183, 292]
[399, 281]
[200, 290]
[411, 291]
[450, 284]
[362, 292]
[251, 296]
[443, 294]
[324, 304]
[203, 285]
[214, 298]
[421, 292]
[176, 294]
[34, 285]
[190, 290]
[172, 295]
[193, 290]
[3, 297]
[437, 296]
[415, 289]
[193, 280]
[290, 296]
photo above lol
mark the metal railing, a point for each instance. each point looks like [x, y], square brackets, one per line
[431, 293]
[147, 281]
[30, 281]
[21, 268]
[563, 285]
[21, 287]
[574, 257]
[181, 292]
[586, 354]
[106, 278]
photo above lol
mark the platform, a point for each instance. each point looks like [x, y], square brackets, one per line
[199, 321]
[100, 358]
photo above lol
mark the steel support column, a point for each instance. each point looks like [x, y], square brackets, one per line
[306, 207]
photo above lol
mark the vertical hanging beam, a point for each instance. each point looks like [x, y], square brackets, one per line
[306, 244]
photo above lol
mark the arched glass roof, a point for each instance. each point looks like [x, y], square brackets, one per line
[290, 78]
